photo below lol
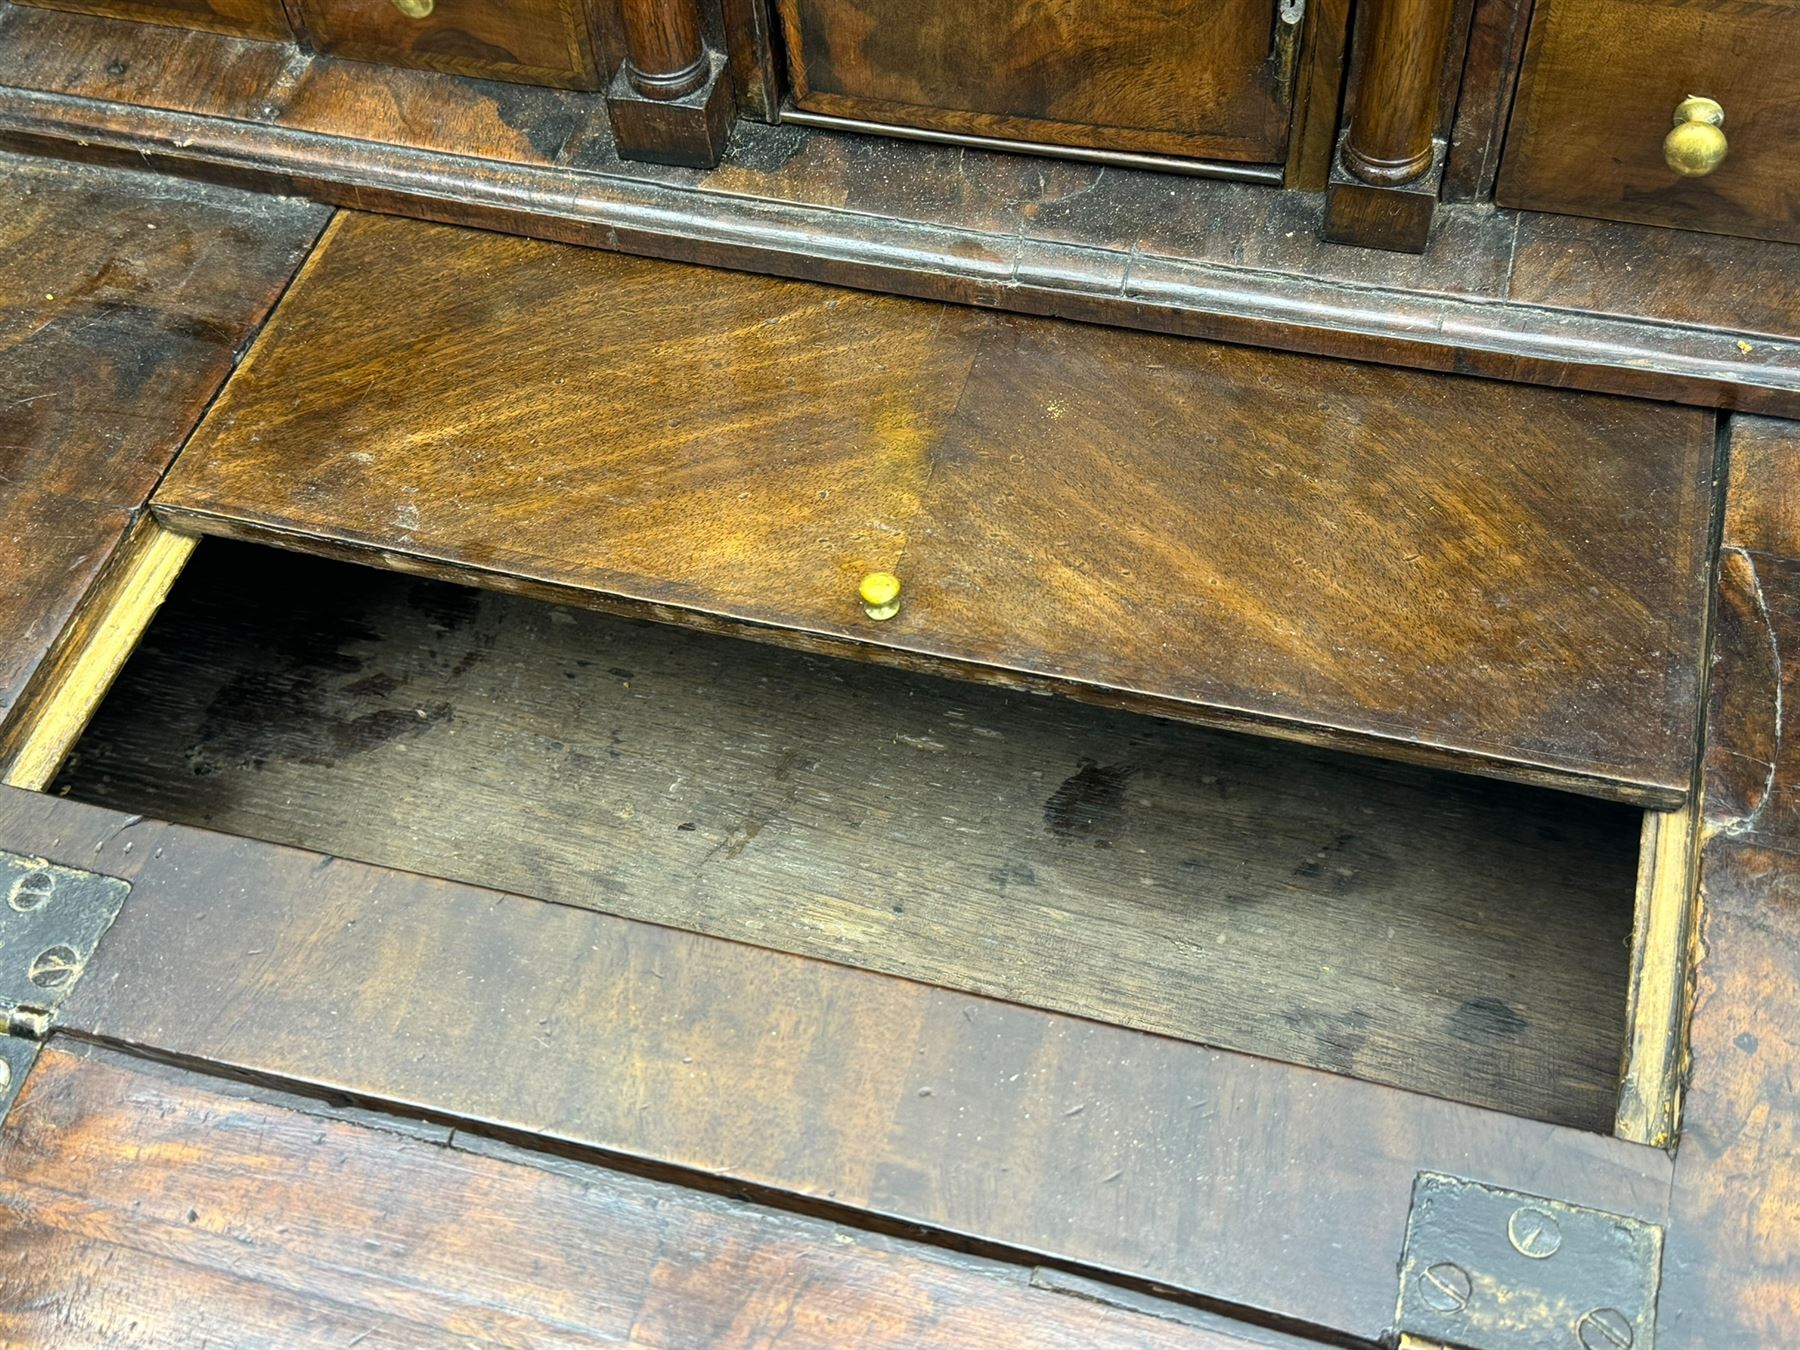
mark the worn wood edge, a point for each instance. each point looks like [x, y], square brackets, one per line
[1665, 915]
[523, 574]
[1656, 1017]
[1601, 1170]
[155, 1085]
[1487, 337]
[1312, 132]
[90, 652]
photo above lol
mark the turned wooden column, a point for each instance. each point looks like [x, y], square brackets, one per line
[671, 99]
[666, 56]
[1389, 162]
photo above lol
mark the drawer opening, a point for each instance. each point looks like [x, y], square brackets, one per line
[1457, 936]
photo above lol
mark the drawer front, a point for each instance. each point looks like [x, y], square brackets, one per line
[1176, 77]
[1602, 82]
[1460, 571]
[241, 18]
[525, 41]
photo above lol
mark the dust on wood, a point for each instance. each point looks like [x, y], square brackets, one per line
[1451, 935]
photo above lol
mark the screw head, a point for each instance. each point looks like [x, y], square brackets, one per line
[1534, 1233]
[54, 967]
[1445, 1286]
[1604, 1329]
[31, 890]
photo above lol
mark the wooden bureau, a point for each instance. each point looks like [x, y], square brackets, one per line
[707, 672]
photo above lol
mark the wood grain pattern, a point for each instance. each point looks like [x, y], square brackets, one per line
[535, 41]
[667, 55]
[736, 451]
[1747, 286]
[1389, 136]
[1216, 260]
[1180, 79]
[179, 69]
[1731, 1265]
[90, 652]
[1044, 1135]
[1483, 96]
[1599, 89]
[143, 1205]
[123, 299]
[1661, 941]
[1446, 935]
[261, 19]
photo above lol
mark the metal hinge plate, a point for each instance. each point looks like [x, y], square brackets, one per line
[51, 920]
[1492, 1269]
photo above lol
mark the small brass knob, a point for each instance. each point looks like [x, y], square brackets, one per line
[416, 9]
[880, 595]
[1696, 146]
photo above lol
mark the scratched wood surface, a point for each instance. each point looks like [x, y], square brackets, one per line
[1449, 935]
[1182, 79]
[1731, 1265]
[149, 1206]
[123, 301]
[536, 41]
[1058, 1139]
[264, 20]
[1227, 261]
[1499, 577]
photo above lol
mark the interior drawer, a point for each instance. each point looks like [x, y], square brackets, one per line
[1601, 84]
[526, 41]
[1188, 78]
[1504, 579]
[265, 19]
[1458, 936]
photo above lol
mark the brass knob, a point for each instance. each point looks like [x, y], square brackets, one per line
[1696, 146]
[415, 9]
[880, 595]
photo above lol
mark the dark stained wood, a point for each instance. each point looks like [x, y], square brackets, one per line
[1218, 260]
[1751, 778]
[264, 19]
[1483, 97]
[1384, 181]
[510, 123]
[666, 54]
[737, 452]
[1207, 1173]
[1389, 137]
[148, 1205]
[1731, 1266]
[1394, 216]
[1191, 79]
[123, 301]
[673, 99]
[1739, 286]
[1762, 506]
[1324, 55]
[1446, 935]
[749, 41]
[534, 41]
[1601, 82]
[178, 69]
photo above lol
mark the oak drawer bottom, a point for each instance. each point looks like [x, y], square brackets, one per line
[1456, 936]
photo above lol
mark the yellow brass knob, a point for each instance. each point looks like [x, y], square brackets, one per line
[880, 595]
[415, 9]
[1696, 146]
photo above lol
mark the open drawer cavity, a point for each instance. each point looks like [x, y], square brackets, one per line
[1455, 935]
[1465, 620]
